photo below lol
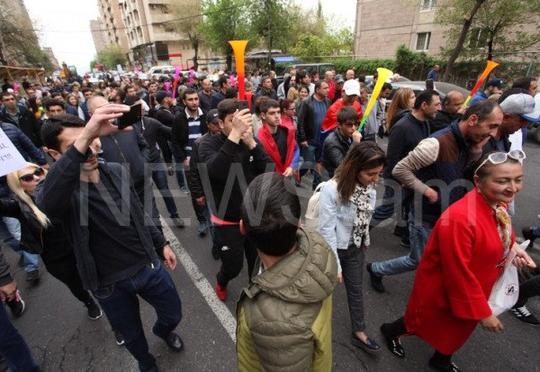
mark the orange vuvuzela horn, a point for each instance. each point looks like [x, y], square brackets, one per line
[489, 67]
[239, 49]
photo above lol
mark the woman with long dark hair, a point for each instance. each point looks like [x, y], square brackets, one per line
[347, 202]
[464, 257]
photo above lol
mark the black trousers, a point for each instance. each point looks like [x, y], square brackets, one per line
[232, 247]
[65, 270]
[528, 289]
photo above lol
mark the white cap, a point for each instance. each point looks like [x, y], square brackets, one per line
[351, 87]
[520, 104]
[535, 115]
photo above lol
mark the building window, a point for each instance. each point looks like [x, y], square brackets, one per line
[478, 38]
[427, 4]
[422, 40]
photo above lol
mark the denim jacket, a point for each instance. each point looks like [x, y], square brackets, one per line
[336, 219]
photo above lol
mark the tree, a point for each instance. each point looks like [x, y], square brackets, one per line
[329, 44]
[498, 26]
[19, 46]
[225, 20]
[111, 56]
[188, 15]
[458, 13]
[271, 19]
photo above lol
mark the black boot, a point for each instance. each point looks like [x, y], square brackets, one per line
[443, 363]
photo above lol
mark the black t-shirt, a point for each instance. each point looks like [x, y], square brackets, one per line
[114, 241]
[280, 137]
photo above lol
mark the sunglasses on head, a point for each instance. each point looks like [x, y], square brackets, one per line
[30, 177]
[501, 157]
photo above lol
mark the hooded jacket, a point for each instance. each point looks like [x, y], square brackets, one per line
[285, 315]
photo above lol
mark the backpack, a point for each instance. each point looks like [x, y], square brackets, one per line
[311, 218]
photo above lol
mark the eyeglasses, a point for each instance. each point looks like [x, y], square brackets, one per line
[30, 177]
[501, 157]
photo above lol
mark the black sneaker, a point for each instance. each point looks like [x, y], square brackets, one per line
[94, 311]
[443, 366]
[376, 280]
[17, 306]
[405, 243]
[523, 314]
[119, 338]
[33, 277]
[215, 252]
[393, 344]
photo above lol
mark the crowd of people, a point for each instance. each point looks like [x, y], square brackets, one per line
[84, 205]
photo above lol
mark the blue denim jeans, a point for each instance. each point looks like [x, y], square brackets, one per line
[180, 172]
[10, 234]
[121, 304]
[160, 179]
[418, 236]
[13, 347]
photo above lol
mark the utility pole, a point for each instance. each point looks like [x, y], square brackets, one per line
[267, 6]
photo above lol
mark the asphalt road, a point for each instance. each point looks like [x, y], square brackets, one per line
[62, 338]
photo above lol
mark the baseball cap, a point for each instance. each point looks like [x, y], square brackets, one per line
[339, 78]
[520, 104]
[161, 95]
[212, 115]
[498, 83]
[351, 87]
[535, 115]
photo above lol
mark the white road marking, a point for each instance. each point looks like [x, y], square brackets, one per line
[221, 311]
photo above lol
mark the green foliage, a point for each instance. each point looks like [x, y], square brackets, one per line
[189, 15]
[270, 20]
[412, 64]
[496, 30]
[111, 56]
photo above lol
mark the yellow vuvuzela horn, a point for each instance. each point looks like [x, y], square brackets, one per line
[383, 75]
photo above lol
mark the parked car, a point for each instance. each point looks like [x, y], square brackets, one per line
[418, 86]
[310, 68]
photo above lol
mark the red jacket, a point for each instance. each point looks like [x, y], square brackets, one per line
[330, 120]
[271, 148]
[454, 279]
[331, 89]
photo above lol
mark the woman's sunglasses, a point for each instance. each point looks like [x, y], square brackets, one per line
[501, 157]
[30, 177]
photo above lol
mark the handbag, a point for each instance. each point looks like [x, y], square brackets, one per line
[505, 292]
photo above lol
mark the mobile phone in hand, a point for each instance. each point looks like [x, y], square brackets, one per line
[131, 117]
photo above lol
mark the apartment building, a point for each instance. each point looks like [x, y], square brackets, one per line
[98, 34]
[151, 38]
[111, 24]
[383, 25]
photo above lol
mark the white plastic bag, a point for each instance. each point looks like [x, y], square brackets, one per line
[505, 292]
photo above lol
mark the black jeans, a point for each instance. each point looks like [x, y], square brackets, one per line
[232, 246]
[528, 289]
[65, 270]
[121, 304]
[352, 264]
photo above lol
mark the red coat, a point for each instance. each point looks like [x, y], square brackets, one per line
[456, 274]
[330, 120]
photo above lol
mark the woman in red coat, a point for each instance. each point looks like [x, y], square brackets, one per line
[464, 257]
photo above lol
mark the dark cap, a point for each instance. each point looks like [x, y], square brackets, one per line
[498, 83]
[212, 116]
[160, 95]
